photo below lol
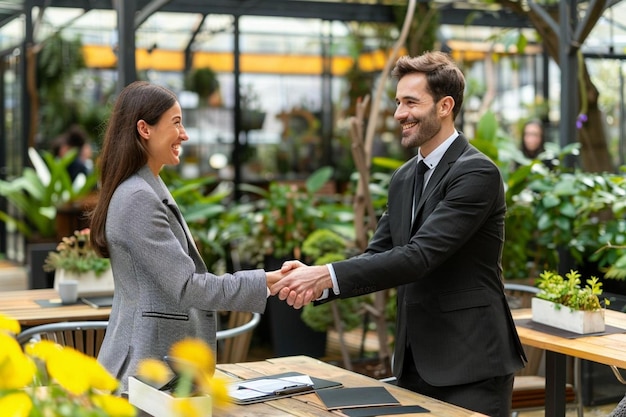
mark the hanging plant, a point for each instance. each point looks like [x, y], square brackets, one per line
[202, 81]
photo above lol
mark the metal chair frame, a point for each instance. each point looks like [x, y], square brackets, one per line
[87, 336]
[84, 336]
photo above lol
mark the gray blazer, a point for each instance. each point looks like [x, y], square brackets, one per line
[163, 292]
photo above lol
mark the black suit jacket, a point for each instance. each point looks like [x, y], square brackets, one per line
[452, 310]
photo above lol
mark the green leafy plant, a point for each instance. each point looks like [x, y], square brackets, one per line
[286, 213]
[75, 254]
[40, 190]
[569, 291]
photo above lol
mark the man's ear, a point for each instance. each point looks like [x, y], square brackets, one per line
[144, 129]
[447, 105]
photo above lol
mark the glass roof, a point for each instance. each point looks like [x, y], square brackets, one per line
[173, 31]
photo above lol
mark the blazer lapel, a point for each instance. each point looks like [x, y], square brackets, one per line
[406, 206]
[193, 249]
[452, 154]
[164, 195]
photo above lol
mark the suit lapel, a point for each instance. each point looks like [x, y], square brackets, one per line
[452, 154]
[408, 197]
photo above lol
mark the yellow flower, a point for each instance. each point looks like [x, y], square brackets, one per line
[219, 392]
[16, 369]
[185, 408]
[154, 370]
[9, 324]
[16, 404]
[42, 349]
[46, 379]
[195, 353]
[77, 372]
[114, 406]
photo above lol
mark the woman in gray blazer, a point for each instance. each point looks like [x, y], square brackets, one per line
[163, 291]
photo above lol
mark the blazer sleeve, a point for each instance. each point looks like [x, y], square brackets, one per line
[144, 234]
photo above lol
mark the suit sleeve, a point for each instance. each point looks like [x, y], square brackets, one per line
[456, 215]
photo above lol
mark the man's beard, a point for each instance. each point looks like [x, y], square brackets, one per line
[427, 127]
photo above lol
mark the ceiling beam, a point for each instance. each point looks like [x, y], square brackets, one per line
[339, 11]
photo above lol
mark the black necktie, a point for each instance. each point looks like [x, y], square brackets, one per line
[419, 184]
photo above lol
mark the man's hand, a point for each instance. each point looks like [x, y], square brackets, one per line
[301, 284]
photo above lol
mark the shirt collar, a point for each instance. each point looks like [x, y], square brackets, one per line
[435, 156]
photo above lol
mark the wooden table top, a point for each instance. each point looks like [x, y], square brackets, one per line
[608, 349]
[23, 307]
[309, 404]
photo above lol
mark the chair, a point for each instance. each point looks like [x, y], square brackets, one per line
[84, 336]
[237, 337]
[529, 391]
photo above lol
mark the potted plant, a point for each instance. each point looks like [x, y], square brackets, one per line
[75, 259]
[204, 82]
[40, 190]
[33, 202]
[567, 304]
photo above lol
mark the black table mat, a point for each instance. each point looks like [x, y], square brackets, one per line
[384, 411]
[55, 302]
[555, 331]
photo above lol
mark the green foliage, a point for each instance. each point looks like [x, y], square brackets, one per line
[568, 291]
[549, 209]
[324, 242]
[559, 208]
[40, 190]
[286, 213]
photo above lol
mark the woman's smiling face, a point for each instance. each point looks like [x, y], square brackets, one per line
[164, 139]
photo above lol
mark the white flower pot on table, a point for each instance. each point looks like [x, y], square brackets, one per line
[88, 283]
[562, 317]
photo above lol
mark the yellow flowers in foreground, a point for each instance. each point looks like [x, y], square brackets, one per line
[194, 362]
[50, 380]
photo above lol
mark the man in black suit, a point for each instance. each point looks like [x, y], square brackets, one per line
[455, 338]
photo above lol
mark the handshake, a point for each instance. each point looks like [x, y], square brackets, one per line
[299, 284]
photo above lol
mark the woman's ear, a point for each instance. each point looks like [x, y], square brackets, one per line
[144, 129]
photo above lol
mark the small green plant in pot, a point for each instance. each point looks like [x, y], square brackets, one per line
[566, 304]
[569, 291]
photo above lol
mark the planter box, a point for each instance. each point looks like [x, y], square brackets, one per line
[562, 317]
[159, 403]
[88, 283]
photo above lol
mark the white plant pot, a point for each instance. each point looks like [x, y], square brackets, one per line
[562, 317]
[159, 403]
[88, 283]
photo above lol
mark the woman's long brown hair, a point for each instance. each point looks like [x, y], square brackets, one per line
[123, 151]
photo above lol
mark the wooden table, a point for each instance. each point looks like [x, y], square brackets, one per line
[22, 306]
[607, 349]
[309, 405]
